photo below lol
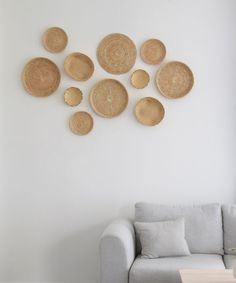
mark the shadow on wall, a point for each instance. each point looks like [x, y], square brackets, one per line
[76, 258]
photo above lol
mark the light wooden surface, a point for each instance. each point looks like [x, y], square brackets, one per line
[207, 276]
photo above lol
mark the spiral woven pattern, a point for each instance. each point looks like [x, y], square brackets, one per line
[81, 123]
[41, 77]
[116, 53]
[174, 79]
[108, 98]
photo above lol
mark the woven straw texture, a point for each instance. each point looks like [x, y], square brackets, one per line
[41, 77]
[73, 96]
[174, 79]
[108, 98]
[116, 53]
[153, 51]
[149, 111]
[140, 79]
[55, 39]
[81, 123]
[79, 66]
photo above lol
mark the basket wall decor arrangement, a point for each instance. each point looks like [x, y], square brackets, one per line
[108, 98]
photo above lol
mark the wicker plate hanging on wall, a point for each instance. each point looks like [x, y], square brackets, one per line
[79, 66]
[41, 77]
[55, 39]
[153, 51]
[140, 79]
[81, 123]
[73, 96]
[149, 111]
[108, 98]
[116, 53]
[174, 79]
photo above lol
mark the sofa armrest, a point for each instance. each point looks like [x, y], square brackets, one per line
[117, 251]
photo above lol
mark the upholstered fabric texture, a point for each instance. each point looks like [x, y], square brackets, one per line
[229, 220]
[162, 239]
[166, 269]
[117, 251]
[229, 261]
[203, 224]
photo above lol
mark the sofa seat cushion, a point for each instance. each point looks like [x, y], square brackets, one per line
[228, 260]
[166, 270]
[203, 224]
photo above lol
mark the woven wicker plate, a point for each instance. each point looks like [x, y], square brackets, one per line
[81, 123]
[140, 79]
[73, 96]
[41, 77]
[116, 53]
[149, 111]
[79, 66]
[108, 98]
[55, 39]
[153, 51]
[174, 79]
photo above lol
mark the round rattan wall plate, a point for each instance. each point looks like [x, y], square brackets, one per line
[55, 39]
[81, 123]
[174, 79]
[153, 51]
[116, 53]
[149, 111]
[41, 77]
[140, 79]
[79, 66]
[73, 96]
[108, 98]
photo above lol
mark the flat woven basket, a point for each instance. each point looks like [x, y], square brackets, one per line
[116, 53]
[41, 77]
[174, 79]
[79, 66]
[149, 111]
[153, 51]
[81, 123]
[108, 98]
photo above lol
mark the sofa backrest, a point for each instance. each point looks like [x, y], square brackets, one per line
[229, 221]
[203, 224]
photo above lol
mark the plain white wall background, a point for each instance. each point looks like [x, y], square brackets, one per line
[59, 190]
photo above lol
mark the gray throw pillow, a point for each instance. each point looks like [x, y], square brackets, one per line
[162, 239]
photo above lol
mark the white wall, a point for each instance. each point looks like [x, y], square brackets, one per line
[59, 190]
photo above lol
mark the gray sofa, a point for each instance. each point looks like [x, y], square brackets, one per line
[210, 231]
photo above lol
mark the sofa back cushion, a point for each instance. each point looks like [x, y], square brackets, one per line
[229, 222]
[203, 224]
